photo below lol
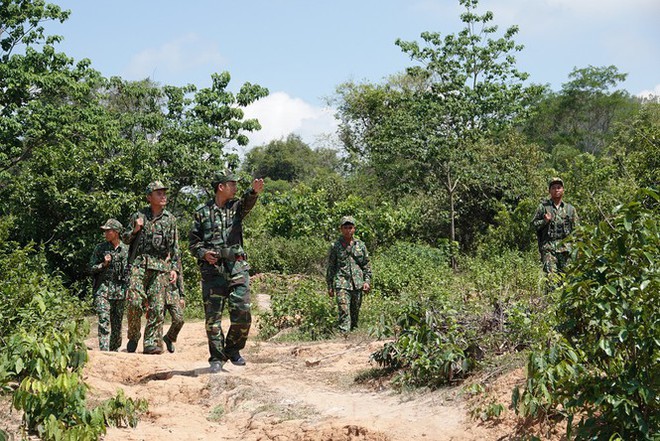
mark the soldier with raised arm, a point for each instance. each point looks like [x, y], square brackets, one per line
[216, 240]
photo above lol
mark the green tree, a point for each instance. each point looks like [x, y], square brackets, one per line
[583, 113]
[76, 148]
[466, 87]
[290, 160]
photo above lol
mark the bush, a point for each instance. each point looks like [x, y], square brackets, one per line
[607, 372]
[432, 347]
[303, 255]
[42, 350]
[298, 303]
[408, 266]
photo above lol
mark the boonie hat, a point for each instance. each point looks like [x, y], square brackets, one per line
[347, 220]
[155, 185]
[223, 176]
[112, 224]
[555, 180]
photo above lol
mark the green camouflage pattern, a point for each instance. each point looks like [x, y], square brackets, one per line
[109, 292]
[349, 266]
[146, 294]
[233, 287]
[553, 249]
[109, 281]
[220, 230]
[156, 254]
[348, 303]
[216, 229]
[157, 246]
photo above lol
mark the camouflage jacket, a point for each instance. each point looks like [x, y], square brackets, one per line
[348, 265]
[220, 228]
[109, 281]
[563, 222]
[156, 244]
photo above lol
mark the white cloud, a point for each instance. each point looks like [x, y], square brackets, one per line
[280, 115]
[649, 93]
[174, 57]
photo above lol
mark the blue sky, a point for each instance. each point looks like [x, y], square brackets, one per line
[301, 50]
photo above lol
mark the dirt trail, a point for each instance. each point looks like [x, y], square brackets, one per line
[287, 391]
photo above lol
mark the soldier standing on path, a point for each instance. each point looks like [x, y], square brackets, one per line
[216, 240]
[107, 265]
[153, 259]
[554, 221]
[348, 274]
[175, 303]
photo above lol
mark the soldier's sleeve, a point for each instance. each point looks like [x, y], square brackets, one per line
[248, 201]
[538, 221]
[331, 269]
[366, 265]
[96, 261]
[196, 237]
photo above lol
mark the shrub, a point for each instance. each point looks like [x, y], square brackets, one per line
[431, 348]
[303, 255]
[299, 303]
[607, 372]
[408, 266]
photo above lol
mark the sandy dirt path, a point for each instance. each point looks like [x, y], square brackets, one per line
[286, 392]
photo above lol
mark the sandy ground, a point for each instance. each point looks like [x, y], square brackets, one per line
[287, 391]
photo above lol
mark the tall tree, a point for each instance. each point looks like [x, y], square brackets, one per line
[583, 113]
[465, 87]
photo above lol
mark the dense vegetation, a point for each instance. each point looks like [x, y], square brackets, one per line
[442, 165]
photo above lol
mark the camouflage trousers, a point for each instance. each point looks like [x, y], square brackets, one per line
[554, 263]
[111, 314]
[146, 293]
[216, 291]
[349, 303]
[173, 306]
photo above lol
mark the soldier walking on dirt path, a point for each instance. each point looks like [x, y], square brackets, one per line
[348, 274]
[107, 264]
[153, 260]
[216, 240]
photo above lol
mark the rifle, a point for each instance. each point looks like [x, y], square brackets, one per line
[132, 253]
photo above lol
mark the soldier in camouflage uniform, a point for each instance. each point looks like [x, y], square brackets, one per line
[348, 274]
[216, 240]
[107, 265]
[174, 304]
[153, 259]
[554, 220]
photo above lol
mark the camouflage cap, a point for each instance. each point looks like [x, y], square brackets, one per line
[223, 176]
[155, 185]
[112, 224]
[347, 220]
[555, 180]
